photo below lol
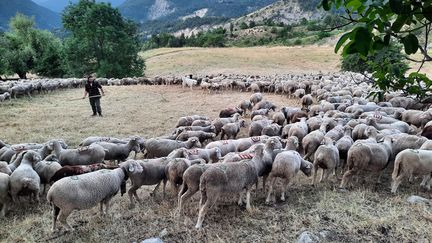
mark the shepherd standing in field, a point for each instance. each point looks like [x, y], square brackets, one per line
[92, 90]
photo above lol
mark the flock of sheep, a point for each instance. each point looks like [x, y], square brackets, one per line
[336, 130]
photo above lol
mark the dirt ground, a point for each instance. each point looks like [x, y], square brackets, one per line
[366, 212]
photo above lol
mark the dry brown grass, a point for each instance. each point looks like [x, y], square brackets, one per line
[256, 60]
[366, 213]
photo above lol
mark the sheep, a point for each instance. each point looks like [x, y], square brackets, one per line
[209, 128]
[255, 98]
[265, 104]
[91, 154]
[212, 155]
[86, 191]
[150, 172]
[4, 168]
[229, 112]
[90, 140]
[5, 96]
[188, 120]
[286, 165]
[73, 170]
[427, 132]
[245, 106]
[306, 101]
[256, 127]
[219, 122]
[228, 178]
[358, 132]
[344, 144]
[202, 136]
[200, 123]
[119, 151]
[416, 117]
[427, 145]
[399, 125]
[4, 193]
[410, 162]
[46, 169]
[232, 129]
[24, 180]
[188, 82]
[337, 132]
[272, 130]
[299, 129]
[296, 116]
[175, 168]
[190, 185]
[369, 156]
[156, 148]
[327, 158]
[260, 112]
[279, 118]
[404, 141]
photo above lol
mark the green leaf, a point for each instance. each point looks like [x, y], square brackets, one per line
[326, 5]
[362, 40]
[400, 21]
[397, 6]
[410, 44]
[354, 5]
[342, 40]
[427, 12]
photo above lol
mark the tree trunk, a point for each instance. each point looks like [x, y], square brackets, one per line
[22, 75]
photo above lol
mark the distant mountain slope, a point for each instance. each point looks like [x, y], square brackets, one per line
[148, 10]
[45, 18]
[59, 5]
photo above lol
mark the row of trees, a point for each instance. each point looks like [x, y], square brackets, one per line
[98, 40]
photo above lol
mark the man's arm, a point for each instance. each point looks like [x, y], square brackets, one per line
[85, 94]
[100, 87]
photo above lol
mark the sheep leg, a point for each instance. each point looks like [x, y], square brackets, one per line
[315, 174]
[188, 194]
[264, 182]
[248, 205]
[164, 187]
[285, 188]
[424, 184]
[211, 200]
[153, 194]
[346, 176]
[107, 206]
[131, 193]
[101, 208]
[4, 209]
[396, 182]
[270, 190]
[240, 201]
[64, 214]
[55, 213]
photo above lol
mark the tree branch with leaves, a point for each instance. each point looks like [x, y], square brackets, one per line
[377, 23]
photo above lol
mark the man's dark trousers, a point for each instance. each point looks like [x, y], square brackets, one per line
[95, 104]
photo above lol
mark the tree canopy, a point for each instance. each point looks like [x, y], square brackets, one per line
[375, 24]
[26, 49]
[100, 41]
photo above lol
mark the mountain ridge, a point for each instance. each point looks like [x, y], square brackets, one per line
[44, 18]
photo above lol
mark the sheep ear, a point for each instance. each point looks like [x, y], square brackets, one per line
[131, 167]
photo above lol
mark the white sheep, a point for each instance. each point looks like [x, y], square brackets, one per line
[286, 165]
[412, 162]
[25, 179]
[86, 191]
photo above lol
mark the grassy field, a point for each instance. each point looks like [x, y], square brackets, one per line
[367, 212]
[253, 61]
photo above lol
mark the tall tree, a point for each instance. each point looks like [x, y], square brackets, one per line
[26, 49]
[101, 41]
[375, 24]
